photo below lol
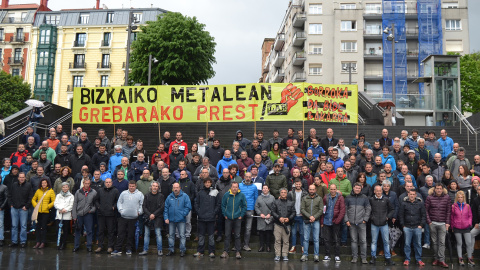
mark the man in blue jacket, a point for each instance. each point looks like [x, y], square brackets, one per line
[177, 207]
[251, 194]
[234, 206]
[225, 161]
[446, 144]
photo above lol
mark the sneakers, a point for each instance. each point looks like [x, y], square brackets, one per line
[129, 252]
[461, 262]
[406, 263]
[326, 258]
[293, 250]
[98, 250]
[198, 254]
[381, 253]
[304, 258]
[160, 253]
[224, 255]
[420, 263]
[247, 248]
[435, 263]
[143, 253]
[471, 262]
[426, 246]
[364, 261]
[389, 262]
[285, 258]
[277, 258]
[212, 255]
[443, 264]
[116, 252]
[238, 256]
[393, 253]
[373, 260]
[109, 250]
[219, 239]
[337, 259]
[354, 260]
[316, 258]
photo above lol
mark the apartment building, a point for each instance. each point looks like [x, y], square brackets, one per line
[76, 48]
[342, 42]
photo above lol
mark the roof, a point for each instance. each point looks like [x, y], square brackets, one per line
[22, 6]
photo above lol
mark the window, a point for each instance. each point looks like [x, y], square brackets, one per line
[450, 5]
[11, 18]
[105, 60]
[19, 36]
[453, 25]
[315, 28]
[373, 29]
[79, 61]
[1, 53]
[52, 19]
[43, 58]
[454, 46]
[137, 17]
[373, 8]
[2, 34]
[345, 67]
[315, 9]
[80, 40]
[315, 49]
[104, 81]
[77, 81]
[348, 6]
[45, 36]
[24, 16]
[110, 16]
[349, 46]
[18, 55]
[15, 72]
[84, 18]
[315, 69]
[106, 39]
[349, 26]
[41, 80]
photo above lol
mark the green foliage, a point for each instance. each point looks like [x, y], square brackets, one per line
[13, 93]
[183, 48]
[470, 82]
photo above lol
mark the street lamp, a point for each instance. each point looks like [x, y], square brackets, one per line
[150, 59]
[348, 68]
[390, 31]
[130, 27]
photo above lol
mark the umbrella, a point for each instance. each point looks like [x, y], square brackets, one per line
[35, 103]
[449, 243]
[60, 231]
[386, 103]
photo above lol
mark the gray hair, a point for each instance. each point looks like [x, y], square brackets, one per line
[421, 140]
[155, 182]
[386, 183]
[118, 146]
[66, 184]
[428, 177]
[405, 131]
[282, 190]
[369, 151]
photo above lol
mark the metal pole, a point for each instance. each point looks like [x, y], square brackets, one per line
[129, 42]
[394, 95]
[349, 72]
[149, 68]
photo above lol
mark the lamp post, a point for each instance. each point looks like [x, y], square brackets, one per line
[150, 59]
[391, 37]
[130, 27]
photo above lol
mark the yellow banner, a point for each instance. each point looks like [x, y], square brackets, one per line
[216, 103]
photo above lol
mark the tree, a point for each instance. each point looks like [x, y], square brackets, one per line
[183, 48]
[13, 93]
[470, 82]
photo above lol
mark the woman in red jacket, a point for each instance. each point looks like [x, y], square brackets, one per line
[461, 221]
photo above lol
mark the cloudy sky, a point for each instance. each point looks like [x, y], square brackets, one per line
[239, 28]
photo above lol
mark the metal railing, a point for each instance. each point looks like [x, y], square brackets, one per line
[470, 129]
[104, 65]
[361, 120]
[80, 65]
[17, 39]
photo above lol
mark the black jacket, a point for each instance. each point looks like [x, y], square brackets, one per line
[3, 196]
[412, 214]
[475, 211]
[166, 185]
[154, 204]
[214, 154]
[97, 185]
[98, 158]
[63, 159]
[382, 210]
[107, 201]
[188, 187]
[78, 162]
[174, 160]
[20, 195]
[207, 204]
[283, 208]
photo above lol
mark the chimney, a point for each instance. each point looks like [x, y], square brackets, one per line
[98, 4]
[4, 4]
[44, 3]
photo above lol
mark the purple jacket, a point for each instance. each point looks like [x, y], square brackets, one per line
[461, 219]
[438, 207]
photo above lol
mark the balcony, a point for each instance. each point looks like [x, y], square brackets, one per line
[105, 43]
[79, 44]
[17, 39]
[373, 75]
[299, 19]
[409, 102]
[279, 42]
[412, 55]
[279, 58]
[372, 33]
[278, 77]
[411, 33]
[104, 66]
[373, 14]
[373, 54]
[71, 87]
[77, 66]
[299, 38]
[299, 77]
[13, 61]
[299, 58]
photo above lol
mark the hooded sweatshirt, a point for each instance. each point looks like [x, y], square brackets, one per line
[130, 204]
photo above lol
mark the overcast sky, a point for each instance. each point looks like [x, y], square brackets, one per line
[239, 28]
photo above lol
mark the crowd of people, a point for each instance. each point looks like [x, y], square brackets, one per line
[294, 192]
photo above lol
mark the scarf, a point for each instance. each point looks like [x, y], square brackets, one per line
[64, 194]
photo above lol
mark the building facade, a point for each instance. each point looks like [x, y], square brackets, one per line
[76, 48]
[342, 42]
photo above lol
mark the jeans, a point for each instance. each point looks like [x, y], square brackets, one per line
[188, 225]
[19, 216]
[426, 235]
[236, 225]
[158, 237]
[2, 217]
[315, 228]
[385, 237]
[248, 226]
[106, 226]
[343, 232]
[126, 230]
[358, 234]
[297, 226]
[206, 227]
[438, 232]
[414, 234]
[82, 221]
[332, 238]
[220, 223]
[172, 227]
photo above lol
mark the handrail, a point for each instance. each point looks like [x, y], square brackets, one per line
[23, 119]
[470, 128]
[60, 120]
[362, 99]
[361, 120]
